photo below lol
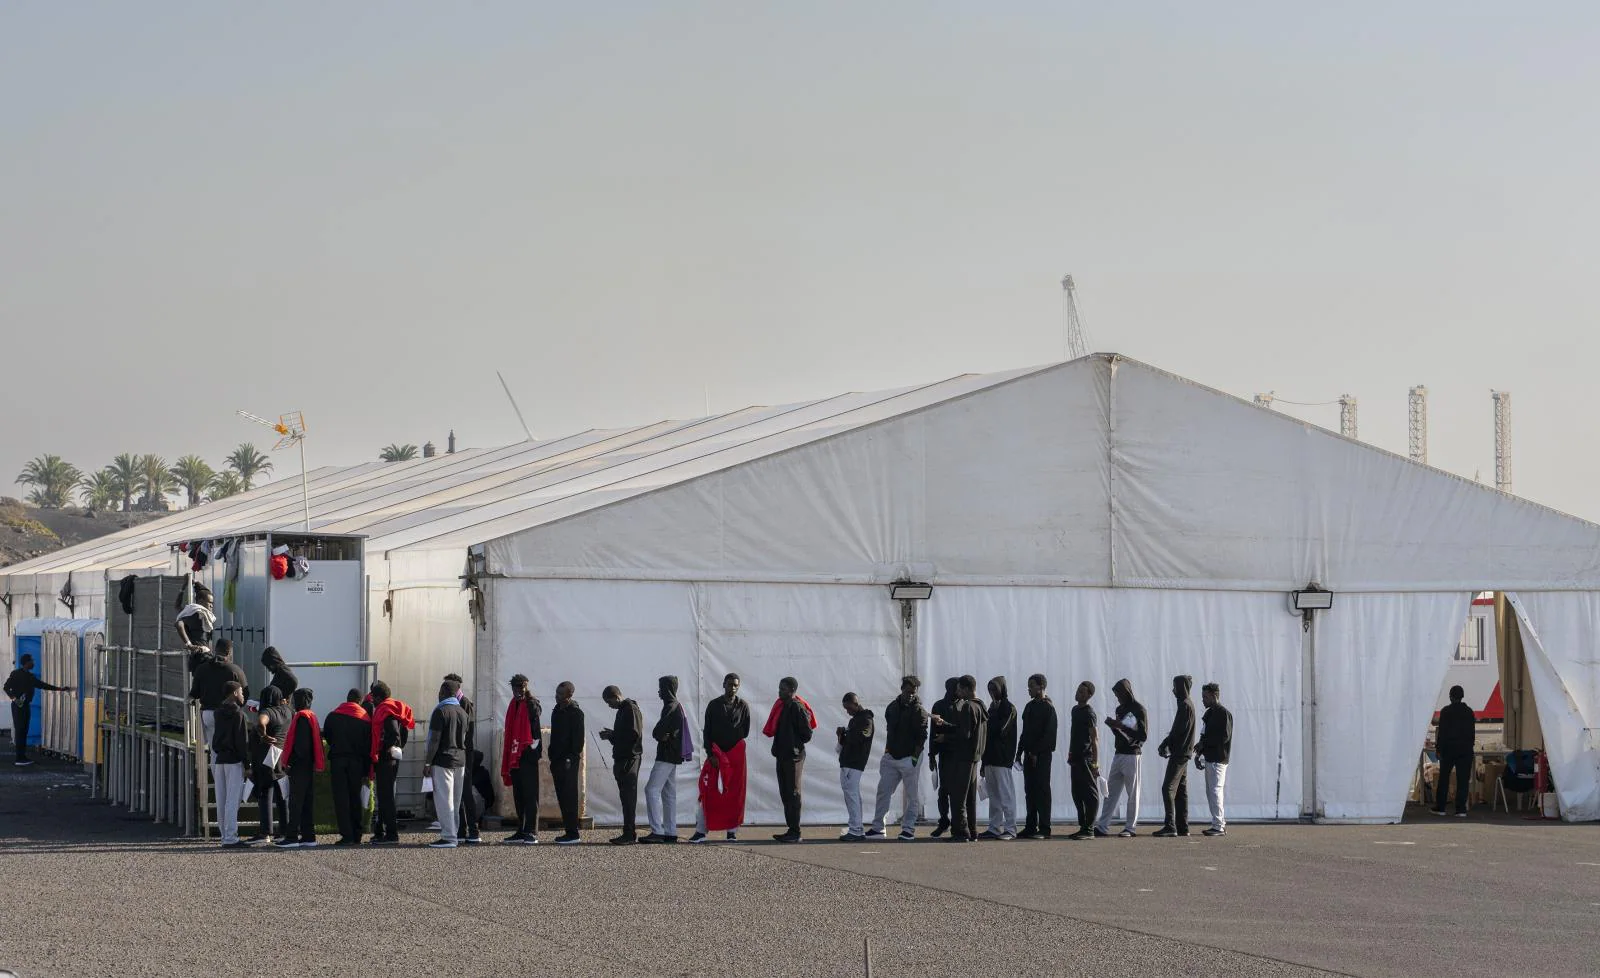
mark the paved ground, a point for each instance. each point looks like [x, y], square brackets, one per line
[95, 891]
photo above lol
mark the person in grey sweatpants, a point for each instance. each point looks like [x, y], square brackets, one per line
[230, 746]
[1129, 730]
[906, 730]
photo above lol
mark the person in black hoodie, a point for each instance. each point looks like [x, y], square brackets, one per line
[230, 748]
[348, 733]
[627, 746]
[1037, 745]
[566, 756]
[1211, 754]
[520, 751]
[855, 746]
[905, 736]
[936, 735]
[1083, 761]
[789, 739]
[282, 676]
[661, 791]
[20, 686]
[210, 673]
[964, 725]
[1455, 740]
[999, 755]
[1177, 749]
[1129, 731]
[268, 730]
[302, 758]
[727, 725]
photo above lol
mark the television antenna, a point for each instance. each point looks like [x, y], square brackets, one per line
[291, 429]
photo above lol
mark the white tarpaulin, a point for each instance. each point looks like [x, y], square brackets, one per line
[1381, 659]
[1559, 632]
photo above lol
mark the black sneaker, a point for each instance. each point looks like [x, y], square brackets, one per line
[852, 837]
[988, 835]
[787, 837]
[515, 838]
[875, 833]
[286, 844]
[473, 840]
[625, 840]
[1214, 832]
[1081, 835]
[1028, 834]
[697, 838]
[385, 841]
[1100, 833]
[1165, 832]
[733, 836]
[25, 762]
[940, 829]
[570, 839]
[347, 842]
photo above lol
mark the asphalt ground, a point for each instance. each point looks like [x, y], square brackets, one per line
[92, 890]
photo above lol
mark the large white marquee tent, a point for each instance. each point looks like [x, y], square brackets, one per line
[1093, 519]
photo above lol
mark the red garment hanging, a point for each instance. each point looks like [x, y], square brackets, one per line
[722, 788]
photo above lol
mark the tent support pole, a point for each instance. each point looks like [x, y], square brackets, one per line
[908, 638]
[1308, 716]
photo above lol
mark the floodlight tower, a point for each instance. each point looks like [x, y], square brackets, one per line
[1077, 343]
[1347, 416]
[1418, 418]
[291, 429]
[1502, 440]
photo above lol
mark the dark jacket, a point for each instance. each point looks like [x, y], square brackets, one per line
[304, 757]
[282, 676]
[474, 756]
[856, 742]
[1001, 749]
[230, 742]
[905, 727]
[395, 734]
[1039, 732]
[347, 736]
[1129, 741]
[941, 706]
[793, 733]
[1180, 740]
[566, 733]
[1216, 739]
[277, 714]
[1458, 728]
[447, 735]
[627, 733]
[211, 674]
[1083, 740]
[726, 723]
[965, 733]
[668, 731]
[21, 684]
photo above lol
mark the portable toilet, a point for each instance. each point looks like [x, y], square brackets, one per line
[60, 649]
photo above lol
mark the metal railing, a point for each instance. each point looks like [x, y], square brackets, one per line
[147, 732]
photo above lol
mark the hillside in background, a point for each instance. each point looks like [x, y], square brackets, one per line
[27, 531]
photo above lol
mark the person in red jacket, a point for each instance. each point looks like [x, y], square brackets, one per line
[302, 756]
[519, 760]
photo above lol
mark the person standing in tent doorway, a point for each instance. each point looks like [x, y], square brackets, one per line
[627, 747]
[936, 735]
[724, 776]
[789, 725]
[1037, 747]
[519, 759]
[392, 722]
[348, 733]
[1177, 748]
[1456, 739]
[999, 757]
[1129, 731]
[20, 686]
[196, 621]
[1211, 754]
[661, 791]
[855, 746]
[566, 757]
[905, 737]
[447, 760]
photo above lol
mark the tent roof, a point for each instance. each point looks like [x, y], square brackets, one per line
[1100, 470]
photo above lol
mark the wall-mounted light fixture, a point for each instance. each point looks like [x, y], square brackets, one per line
[910, 591]
[1312, 598]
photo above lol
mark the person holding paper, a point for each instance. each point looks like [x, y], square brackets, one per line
[1037, 746]
[724, 776]
[266, 740]
[964, 726]
[905, 736]
[230, 747]
[566, 756]
[1129, 732]
[855, 746]
[392, 723]
[302, 756]
[447, 759]
[661, 791]
[627, 747]
[519, 759]
[348, 734]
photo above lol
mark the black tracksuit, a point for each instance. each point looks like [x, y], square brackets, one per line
[1037, 745]
[301, 825]
[566, 755]
[20, 686]
[936, 737]
[965, 735]
[627, 747]
[856, 743]
[349, 741]
[1455, 740]
[1179, 745]
[789, 750]
[1083, 760]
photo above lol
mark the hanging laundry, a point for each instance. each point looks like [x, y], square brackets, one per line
[279, 564]
[302, 567]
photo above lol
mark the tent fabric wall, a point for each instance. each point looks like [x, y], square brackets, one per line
[1245, 642]
[1380, 662]
[1558, 635]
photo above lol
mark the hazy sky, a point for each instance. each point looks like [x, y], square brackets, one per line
[363, 210]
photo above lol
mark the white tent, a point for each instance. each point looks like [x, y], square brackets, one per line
[1093, 519]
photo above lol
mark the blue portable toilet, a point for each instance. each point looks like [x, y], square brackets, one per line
[68, 670]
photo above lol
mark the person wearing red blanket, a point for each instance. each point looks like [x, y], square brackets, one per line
[348, 734]
[302, 756]
[392, 722]
[723, 776]
[519, 760]
[789, 725]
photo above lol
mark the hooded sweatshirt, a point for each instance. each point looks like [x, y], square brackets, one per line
[965, 732]
[790, 726]
[230, 742]
[1180, 741]
[1039, 732]
[1129, 738]
[213, 673]
[855, 746]
[905, 727]
[348, 732]
[1216, 737]
[941, 708]
[668, 731]
[1001, 750]
[282, 676]
[627, 733]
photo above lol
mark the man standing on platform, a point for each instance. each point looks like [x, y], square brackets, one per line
[725, 775]
[566, 757]
[627, 747]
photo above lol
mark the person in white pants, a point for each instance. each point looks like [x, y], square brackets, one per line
[855, 746]
[447, 756]
[1128, 731]
[1211, 753]
[906, 734]
[230, 746]
[999, 756]
[661, 800]
[661, 791]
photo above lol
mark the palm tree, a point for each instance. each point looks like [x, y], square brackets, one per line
[224, 484]
[100, 491]
[52, 479]
[398, 453]
[156, 480]
[124, 470]
[249, 463]
[194, 476]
